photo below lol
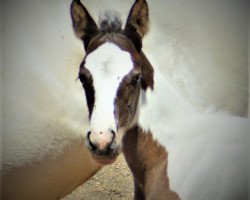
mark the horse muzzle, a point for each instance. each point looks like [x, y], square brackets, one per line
[103, 146]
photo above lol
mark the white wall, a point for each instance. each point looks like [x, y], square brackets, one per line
[43, 103]
[202, 48]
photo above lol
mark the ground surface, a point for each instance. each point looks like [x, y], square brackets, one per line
[111, 182]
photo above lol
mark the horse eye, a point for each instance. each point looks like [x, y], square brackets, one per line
[82, 78]
[136, 80]
[84, 75]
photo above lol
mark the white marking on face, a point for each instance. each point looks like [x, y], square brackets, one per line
[108, 64]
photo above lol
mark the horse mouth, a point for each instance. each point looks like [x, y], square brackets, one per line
[104, 160]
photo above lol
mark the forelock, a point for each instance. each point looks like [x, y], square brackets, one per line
[110, 21]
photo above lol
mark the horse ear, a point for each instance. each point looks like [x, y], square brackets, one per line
[83, 24]
[137, 23]
[147, 73]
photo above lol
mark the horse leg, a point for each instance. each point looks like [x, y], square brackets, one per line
[135, 164]
[147, 160]
[157, 184]
[138, 191]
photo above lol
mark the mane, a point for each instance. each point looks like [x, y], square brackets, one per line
[110, 21]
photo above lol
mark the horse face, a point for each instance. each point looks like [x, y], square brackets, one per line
[112, 73]
[115, 83]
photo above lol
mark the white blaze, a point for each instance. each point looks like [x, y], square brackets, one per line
[108, 65]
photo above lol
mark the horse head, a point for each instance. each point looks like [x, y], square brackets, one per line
[113, 73]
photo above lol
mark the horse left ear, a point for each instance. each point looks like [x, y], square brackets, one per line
[137, 23]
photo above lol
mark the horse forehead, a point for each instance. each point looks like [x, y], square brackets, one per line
[109, 61]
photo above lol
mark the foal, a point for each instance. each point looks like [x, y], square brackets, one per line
[114, 74]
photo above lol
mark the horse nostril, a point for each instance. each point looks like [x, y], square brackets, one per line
[113, 132]
[92, 146]
[113, 136]
[88, 134]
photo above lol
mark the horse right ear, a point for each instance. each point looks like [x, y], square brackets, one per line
[83, 24]
[137, 23]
